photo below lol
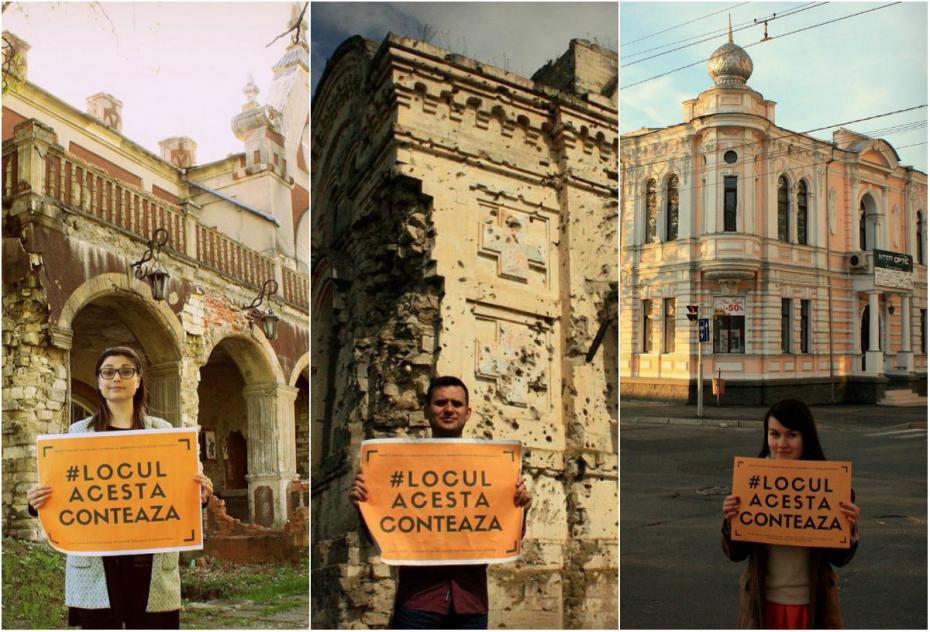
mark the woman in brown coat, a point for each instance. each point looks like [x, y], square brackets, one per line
[789, 587]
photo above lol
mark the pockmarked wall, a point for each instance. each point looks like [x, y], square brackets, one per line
[465, 223]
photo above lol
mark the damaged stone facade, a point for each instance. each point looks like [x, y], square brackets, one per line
[80, 203]
[465, 223]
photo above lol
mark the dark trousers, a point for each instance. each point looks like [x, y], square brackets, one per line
[405, 619]
[128, 578]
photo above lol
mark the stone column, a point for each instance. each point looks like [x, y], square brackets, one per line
[873, 361]
[163, 382]
[271, 451]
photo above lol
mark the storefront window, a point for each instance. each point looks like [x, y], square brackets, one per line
[729, 325]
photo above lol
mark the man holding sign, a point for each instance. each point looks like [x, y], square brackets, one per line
[435, 593]
[789, 515]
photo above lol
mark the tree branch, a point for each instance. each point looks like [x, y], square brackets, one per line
[300, 19]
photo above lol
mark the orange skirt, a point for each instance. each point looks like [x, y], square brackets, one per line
[780, 616]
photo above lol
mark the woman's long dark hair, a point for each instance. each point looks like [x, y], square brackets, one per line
[794, 414]
[102, 417]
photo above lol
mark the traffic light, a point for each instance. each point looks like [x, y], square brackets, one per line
[692, 312]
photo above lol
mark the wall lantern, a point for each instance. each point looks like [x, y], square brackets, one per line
[155, 274]
[267, 318]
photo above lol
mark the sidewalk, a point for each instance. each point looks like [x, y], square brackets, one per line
[837, 415]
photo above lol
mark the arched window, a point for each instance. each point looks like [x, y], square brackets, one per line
[802, 212]
[782, 208]
[862, 228]
[920, 238]
[650, 211]
[671, 209]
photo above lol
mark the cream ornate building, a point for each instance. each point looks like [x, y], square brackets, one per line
[80, 203]
[465, 223]
[808, 257]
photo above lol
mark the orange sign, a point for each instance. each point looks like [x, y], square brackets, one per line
[121, 492]
[791, 502]
[434, 502]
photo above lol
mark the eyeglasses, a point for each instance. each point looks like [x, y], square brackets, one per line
[125, 372]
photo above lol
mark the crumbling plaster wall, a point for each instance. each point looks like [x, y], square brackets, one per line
[515, 260]
[65, 261]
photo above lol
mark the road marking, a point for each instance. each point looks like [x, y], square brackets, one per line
[900, 434]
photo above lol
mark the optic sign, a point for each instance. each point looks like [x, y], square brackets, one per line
[121, 492]
[728, 306]
[791, 502]
[435, 502]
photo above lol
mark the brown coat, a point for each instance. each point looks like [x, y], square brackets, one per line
[824, 600]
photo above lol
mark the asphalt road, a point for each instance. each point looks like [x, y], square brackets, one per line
[673, 478]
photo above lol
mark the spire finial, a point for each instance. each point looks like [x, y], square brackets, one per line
[730, 30]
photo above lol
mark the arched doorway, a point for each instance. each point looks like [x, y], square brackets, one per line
[223, 421]
[242, 394]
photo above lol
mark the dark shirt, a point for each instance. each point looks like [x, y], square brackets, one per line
[443, 589]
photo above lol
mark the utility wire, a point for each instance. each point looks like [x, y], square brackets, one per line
[671, 28]
[716, 34]
[784, 136]
[806, 28]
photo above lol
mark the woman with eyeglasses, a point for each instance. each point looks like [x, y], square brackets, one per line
[135, 591]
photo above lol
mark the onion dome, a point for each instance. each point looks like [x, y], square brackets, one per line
[730, 66]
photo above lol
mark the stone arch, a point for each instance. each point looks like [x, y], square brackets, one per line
[122, 303]
[117, 284]
[254, 356]
[302, 365]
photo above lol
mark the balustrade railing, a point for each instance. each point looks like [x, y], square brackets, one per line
[89, 191]
[225, 255]
[94, 193]
[296, 287]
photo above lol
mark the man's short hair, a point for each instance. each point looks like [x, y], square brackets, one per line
[445, 380]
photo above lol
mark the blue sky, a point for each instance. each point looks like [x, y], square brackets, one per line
[851, 69]
[520, 37]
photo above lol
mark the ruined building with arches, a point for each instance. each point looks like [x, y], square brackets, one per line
[81, 203]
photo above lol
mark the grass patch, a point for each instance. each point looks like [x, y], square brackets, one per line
[255, 582]
[34, 589]
[33, 586]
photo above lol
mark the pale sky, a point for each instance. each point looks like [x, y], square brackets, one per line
[178, 68]
[851, 69]
[520, 37]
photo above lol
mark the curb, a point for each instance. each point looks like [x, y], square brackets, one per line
[695, 422]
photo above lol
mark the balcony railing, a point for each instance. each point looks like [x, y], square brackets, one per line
[89, 191]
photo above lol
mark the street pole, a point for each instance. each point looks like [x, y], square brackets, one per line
[700, 385]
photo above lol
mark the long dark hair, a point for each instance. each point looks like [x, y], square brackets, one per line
[102, 417]
[794, 414]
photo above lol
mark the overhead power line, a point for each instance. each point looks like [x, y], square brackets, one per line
[806, 28]
[715, 34]
[672, 28]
